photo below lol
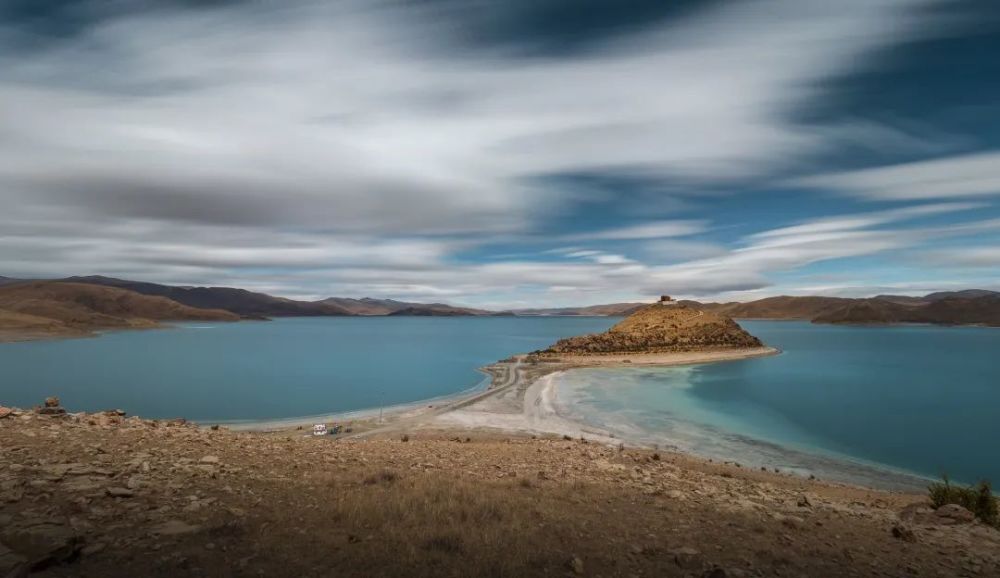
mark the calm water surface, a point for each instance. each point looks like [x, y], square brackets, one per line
[277, 369]
[922, 399]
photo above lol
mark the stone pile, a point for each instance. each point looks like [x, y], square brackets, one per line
[51, 407]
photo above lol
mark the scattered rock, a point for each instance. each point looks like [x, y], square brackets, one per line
[175, 528]
[715, 573]
[804, 502]
[576, 565]
[116, 492]
[209, 460]
[903, 533]
[687, 558]
[47, 410]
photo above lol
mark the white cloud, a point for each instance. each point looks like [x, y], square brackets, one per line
[966, 257]
[353, 147]
[973, 175]
[651, 230]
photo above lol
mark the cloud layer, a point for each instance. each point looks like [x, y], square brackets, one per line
[318, 148]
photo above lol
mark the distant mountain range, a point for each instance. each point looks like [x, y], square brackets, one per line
[969, 307]
[612, 309]
[369, 306]
[71, 306]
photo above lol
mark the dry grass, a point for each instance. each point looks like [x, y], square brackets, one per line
[425, 524]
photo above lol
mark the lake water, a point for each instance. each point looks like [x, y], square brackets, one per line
[917, 398]
[277, 369]
[921, 399]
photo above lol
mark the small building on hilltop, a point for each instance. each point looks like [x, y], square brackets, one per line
[667, 300]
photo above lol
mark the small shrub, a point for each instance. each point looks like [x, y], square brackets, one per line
[525, 483]
[978, 499]
[405, 438]
[386, 476]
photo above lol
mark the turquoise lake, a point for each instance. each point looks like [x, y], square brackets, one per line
[284, 368]
[921, 399]
[918, 398]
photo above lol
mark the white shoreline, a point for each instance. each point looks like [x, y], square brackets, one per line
[537, 413]
[399, 410]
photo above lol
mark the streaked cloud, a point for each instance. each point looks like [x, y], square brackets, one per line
[972, 175]
[381, 148]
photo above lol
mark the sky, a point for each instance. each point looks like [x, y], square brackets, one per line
[510, 153]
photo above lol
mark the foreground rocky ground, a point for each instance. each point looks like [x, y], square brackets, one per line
[106, 495]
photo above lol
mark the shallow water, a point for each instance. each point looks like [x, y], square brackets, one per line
[918, 398]
[277, 369]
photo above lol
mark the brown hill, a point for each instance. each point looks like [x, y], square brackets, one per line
[238, 301]
[867, 311]
[366, 306]
[438, 310]
[369, 306]
[783, 307]
[54, 308]
[610, 309]
[983, 310]
[659, 328]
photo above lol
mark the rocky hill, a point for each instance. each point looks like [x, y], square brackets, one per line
[659, 328]
[46, 308]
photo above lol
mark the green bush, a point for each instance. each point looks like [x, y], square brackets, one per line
[977, 499]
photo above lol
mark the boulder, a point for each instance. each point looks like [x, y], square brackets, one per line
[951, 514]
[903, 533]
[175, 528]
[52, 401]
[5, 412]
[687, 558]
[117, 492]
[12, 564]
[576, 565]
[51, 410]
[43, 545]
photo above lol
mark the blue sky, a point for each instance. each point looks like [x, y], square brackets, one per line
[505, 154]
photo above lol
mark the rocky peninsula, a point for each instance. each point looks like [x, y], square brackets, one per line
[661, 329]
